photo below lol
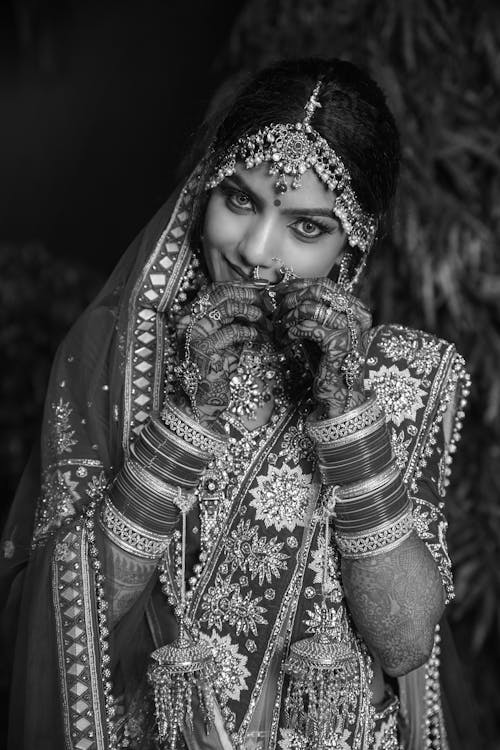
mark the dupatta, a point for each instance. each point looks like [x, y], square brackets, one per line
[97, 398]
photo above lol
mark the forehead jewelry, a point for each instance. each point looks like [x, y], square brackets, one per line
[291, 149]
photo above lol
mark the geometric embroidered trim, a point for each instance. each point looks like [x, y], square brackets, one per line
[130, 536]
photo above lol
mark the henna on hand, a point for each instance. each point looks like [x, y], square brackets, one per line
[307, 314]
[219, 323]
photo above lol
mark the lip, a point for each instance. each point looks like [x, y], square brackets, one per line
[238, 270]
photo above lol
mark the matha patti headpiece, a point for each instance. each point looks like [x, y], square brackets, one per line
[290, 151]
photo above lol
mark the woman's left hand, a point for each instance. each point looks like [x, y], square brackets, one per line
[320, 311]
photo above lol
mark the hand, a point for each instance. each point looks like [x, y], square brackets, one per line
[222, 319]
[320, 311]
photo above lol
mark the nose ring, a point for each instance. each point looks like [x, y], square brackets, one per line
[286, 272]
[256, 273]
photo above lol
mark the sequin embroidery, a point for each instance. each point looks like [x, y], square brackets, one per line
[281, 497]
[399, 394]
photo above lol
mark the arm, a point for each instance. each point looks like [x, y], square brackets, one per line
[392, 582]
[171, 453]
[396, 599]
[405, 590]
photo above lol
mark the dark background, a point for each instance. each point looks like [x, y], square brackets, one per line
[99, 101]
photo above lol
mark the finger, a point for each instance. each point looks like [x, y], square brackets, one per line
[226, 338]
[232, 310]
[224, 314]
[220, 293]
[319, 313]
[335, 342]
[323, 294]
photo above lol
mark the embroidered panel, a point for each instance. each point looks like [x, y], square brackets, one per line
[243, 594]
[78, 643]
[147, 342]
[416, 378]
[65, 487]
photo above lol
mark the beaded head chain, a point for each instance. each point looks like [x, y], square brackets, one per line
[292, 149]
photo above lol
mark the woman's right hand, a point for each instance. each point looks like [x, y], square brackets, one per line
[224, 317]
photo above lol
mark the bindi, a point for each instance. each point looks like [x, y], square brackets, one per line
[277, 202]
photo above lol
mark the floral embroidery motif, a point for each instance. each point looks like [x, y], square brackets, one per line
[231, 672]
[260, 556]
[399, 394]
[400, 448]
[292, 740]
[422, 355]
[424, 514]
[297, 445]
[61, 435]
[282, 497]
[430, 524]
[97, 486]
[224, 602]
[59, 496]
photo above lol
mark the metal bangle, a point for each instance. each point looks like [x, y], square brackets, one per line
[131, 537]
[377, 540]
[376, 483]
[168, 434]
[192, 432]
[349, 423]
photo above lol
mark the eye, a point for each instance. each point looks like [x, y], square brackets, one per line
[311, 230]
[237, 199]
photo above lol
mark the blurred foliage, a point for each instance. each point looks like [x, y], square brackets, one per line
[40, 297]
[439, 63]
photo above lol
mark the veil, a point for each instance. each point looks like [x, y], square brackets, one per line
[97, 396]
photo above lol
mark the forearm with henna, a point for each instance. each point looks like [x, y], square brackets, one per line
[396, 600]
[329, 389]
[125, 576]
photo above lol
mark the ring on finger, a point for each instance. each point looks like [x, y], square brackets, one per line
[337, 301]
[316, 313]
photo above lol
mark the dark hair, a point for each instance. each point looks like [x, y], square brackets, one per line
[353, 118]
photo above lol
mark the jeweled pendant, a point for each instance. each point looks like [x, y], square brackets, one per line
[324, 686]
[181, 674]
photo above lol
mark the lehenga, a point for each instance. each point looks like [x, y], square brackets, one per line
[77, 686]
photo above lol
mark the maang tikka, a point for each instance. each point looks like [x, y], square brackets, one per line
[290, 150]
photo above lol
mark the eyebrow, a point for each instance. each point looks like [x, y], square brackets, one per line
[240, 182]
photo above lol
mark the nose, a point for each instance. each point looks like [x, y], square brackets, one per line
[257, 248]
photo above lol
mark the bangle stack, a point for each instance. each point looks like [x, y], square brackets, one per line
[192, 432]
[157, 481]
[370, 505]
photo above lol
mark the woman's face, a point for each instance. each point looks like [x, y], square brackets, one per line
[248, 224]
